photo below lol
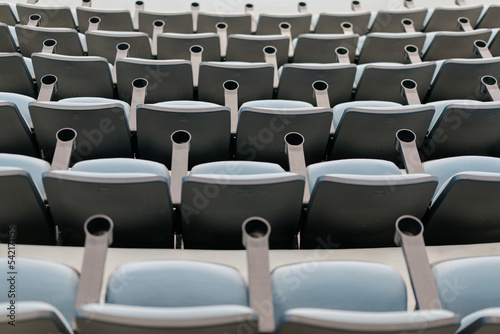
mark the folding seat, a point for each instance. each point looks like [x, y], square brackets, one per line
[392, 20]
[110, 19]
[104, 44]
[22, 194]
[250, 47]
[177, 46]
[16, 74]
[218, 196]
[7, 41]
[76, 76]
[236, 23]
[320, 48]
[262, 126]
[343, 297]
[15, 125]
[382, 81]
[461, 79]
[366, 129]
[44, 294]
[133, 193]
[445, 45]
[31, 39]
[171, 296]
[157, 122]
[446, 18]
[175, 22]
[296, 81]
[269, 24]
[255, 81]
[333, 23]
[388, 47]
[167, 79]
[462, 127]
[7, 15]
[489, 18]
[50, 16]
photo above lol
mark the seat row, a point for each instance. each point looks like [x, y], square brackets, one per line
[199, 297]
[358, 21]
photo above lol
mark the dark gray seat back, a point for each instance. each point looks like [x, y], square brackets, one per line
[31, 40]
[116, 19]
[103, 44]
[177, 46]
[236, 23]
[389, 47]
[320, 48]
[181, 22]
[445, 18]
[60, 16]
[269, 24]
[250, 47]
[390, 20]
[330, 23]
[447, 45]
[15, 75]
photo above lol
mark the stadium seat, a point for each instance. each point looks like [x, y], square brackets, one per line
[175, 22]
[17, 74]
[320, 48]
[7, 15]
[488, 18]
[331, 23]
[388, 47]
[446, 18]
[177, 46]
[236, 23]
[445, 45]
[31, 39]
[104, 43]
[7, 41]
[50, 16]
[110, 19]
[392, 20]
[250, 47]
[268, 24]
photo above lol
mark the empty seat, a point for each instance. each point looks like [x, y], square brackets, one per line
[463, 209]
[445, 45]
[262, 126]
[388, 47]
[391, 20]
[366, 129]
[463, 127]
[7, 15]
[133, 193]
[17, 74]
[45, 295]
[101, 125]
[21, 195]
[296, 81]
[461, 79]
[50, 16]
[236, 23]
[349, 297]
[69, 41]
[250, 47]
[181, 22]
[446, 18]
[177, 46]
[269, 24]
[382, 81]
[167, 79]
[331, 23]
[175, 295]
[355, 202]
[76, 76]
[7, 41]
[489, 17]
[111, 19]
[104, 43]
[320, 48]
[243, 189]
[255, 81]
[157, 122]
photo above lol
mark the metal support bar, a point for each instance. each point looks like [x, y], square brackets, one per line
[180, 157]
[222, 32]
[412, 54]
[342, 55]
[320, 91]
[294, 148]
[249, 9]
[49, 46]
[356, 6]
[158, 26]
[286, 30]
[86, 3]
[231, 101]
[139, 5]
[406, 144]
[302, 7]
[34, 20]
[409, 235]
[94, 22]
[409, 4]
[256, 231]
[196, 58]
[409, 92]
[195, 9]
[408, 25]
[464, 24]
[481, 49]
[489, 85]
[65, 145]
[139, 87]
[47, 88]
[98, 236]
[270, 58]
[121, 52]
[347, 28]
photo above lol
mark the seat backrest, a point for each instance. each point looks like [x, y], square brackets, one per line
[51, 16]
[445, 18]
[16, 78]
[489, 18]
[76, 76]
[111, 19]
[389, 47]
[176, 46]
[181, 22]
[103, 44]
[7, 43]
[330, 23]
[250, 47]
[7, 15]
[447, 45]
[390, 20]
[269, 24]
[167, 79]
[236, 23]
[314, 48]
[31, 40]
